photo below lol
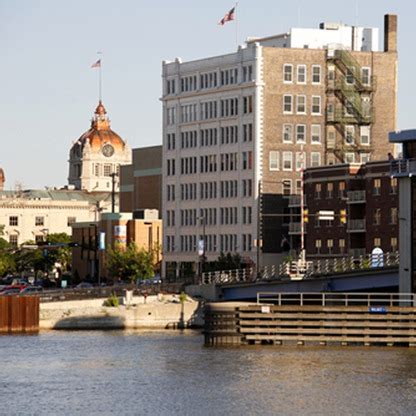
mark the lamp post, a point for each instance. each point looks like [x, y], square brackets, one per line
[113, 191]
[201, 249]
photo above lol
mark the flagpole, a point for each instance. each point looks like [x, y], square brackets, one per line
[236, 26]
[100, 80]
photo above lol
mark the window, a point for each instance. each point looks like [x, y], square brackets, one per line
[377, 242]
[247, 161]
[318, 189]
[330, 245]
[393, 244]
[341, 190]
[14, 240]
[341, 245]
[393, 216]
[70, 221]
[247, 73]
[329, 190]
[315, 133]
[376, 186]
[300, 133]
[287, 160]
[107, 169]
[39, 238]
[287, 104]
[316, 74]
[316, 104]
[229, 76]
[349, 157]
[315, 159]
[301, 75]
[393, 186]
[365, 135]
[247, 104]
[39, 221]
[14, 221]
[301, 104]
[287, 73]
[298, 186]
[287, 187]
[248, 132]
[287, 133]
[365, 76]
[273, 160]
[171, 115]
[349, 77]
[377, 217]
[364, 157]
[318, 246]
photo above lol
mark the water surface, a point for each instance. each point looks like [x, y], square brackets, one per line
[172, 373]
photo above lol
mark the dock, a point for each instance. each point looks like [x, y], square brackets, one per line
[314, 319]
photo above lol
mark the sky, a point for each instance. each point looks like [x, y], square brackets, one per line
[49, 91]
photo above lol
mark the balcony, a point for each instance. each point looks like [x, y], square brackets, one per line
[356, 197]
[403, 167]
[357, 252]
[295, 228]
[294, 201]
[356, 226]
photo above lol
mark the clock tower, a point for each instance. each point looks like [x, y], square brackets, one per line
[96, 155]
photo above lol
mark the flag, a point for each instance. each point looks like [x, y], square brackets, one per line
[228, 17]
[96, 64]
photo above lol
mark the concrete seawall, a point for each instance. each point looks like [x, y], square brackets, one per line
[157, 312]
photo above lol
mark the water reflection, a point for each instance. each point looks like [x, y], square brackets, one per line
[164, 373]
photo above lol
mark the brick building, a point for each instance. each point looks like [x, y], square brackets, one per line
[141, 182]
[238, 128]
[89, 258]
[364, 199]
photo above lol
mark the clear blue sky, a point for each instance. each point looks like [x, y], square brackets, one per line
[48, 90]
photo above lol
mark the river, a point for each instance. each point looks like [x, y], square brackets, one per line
[172, 373]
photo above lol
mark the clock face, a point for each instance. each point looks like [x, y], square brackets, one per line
[108, 150]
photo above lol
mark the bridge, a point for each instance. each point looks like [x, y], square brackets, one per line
[366, 274]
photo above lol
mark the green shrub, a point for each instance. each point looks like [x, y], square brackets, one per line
[112, 301]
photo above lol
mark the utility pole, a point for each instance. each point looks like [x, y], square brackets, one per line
[113, 191]
[258, 228]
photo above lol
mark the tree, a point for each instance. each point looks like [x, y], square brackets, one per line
[130, 263]
[6, 258]
[61, 255]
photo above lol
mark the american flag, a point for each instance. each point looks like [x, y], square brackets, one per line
[96, 64]
[228, 17]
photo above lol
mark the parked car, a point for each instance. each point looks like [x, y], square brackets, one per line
[10, 291]
[84, 285]
[31, 289]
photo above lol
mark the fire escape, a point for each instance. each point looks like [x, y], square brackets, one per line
[349, 105]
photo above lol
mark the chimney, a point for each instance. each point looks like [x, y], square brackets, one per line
[390, 33]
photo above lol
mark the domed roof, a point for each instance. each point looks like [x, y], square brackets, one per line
[100, 132]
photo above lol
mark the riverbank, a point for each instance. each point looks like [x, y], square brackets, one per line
[158, 312]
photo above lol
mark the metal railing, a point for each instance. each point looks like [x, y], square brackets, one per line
[228, 276]
[403, 166]
[308, 270]
[294, 201]
[295, 228]
[356, 197]
[356, 225]
[338, 299]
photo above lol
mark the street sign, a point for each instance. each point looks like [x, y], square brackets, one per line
[326, 215]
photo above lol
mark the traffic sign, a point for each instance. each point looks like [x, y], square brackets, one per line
[326, 215]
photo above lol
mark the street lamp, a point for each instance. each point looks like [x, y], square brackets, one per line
[201, 249]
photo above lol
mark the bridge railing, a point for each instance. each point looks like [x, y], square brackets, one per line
[332, 266]
[228, 276]
[338, 299]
